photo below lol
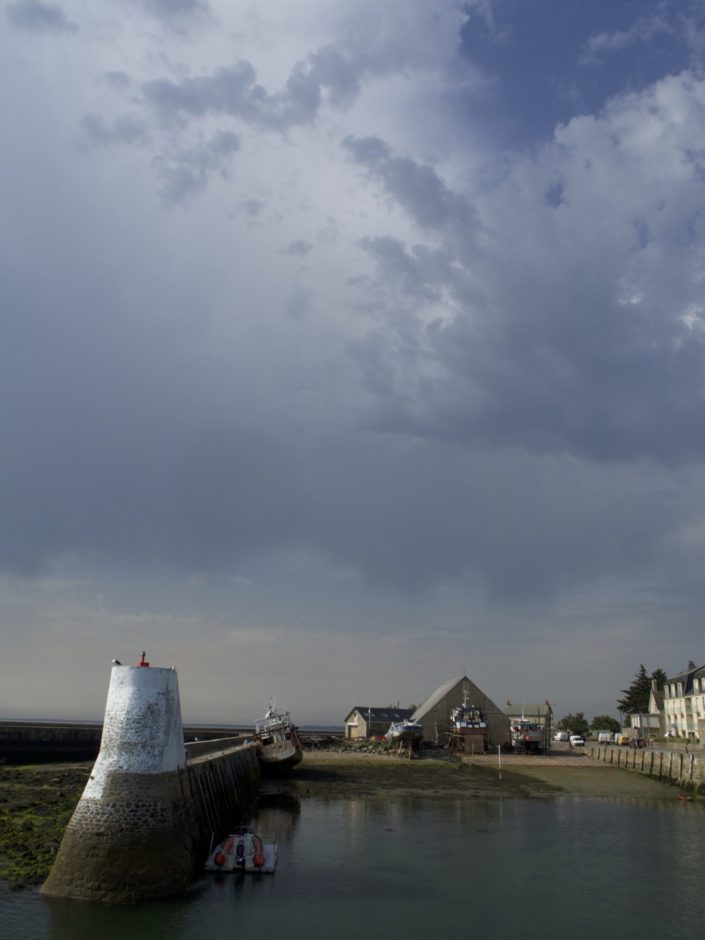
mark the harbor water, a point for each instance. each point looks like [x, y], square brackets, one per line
[414, 868]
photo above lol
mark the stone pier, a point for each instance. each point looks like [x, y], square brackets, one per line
[139, 829]
[686, 769]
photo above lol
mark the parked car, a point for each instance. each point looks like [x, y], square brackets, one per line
[577, 740]
[561, 736]
[605, 737]
[623, 739]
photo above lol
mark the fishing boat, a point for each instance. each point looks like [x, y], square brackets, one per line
[526, 735]
[468, 728]
[279, 746]
[243, 850]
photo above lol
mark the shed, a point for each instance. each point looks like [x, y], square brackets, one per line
[434, 714]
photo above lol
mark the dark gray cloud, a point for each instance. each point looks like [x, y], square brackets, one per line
[38, 17]
[299, 248]
[418, 189]
[491, 389]
[175, 10]
[235, 91]
[127, 129]
[119, 81]
[530, 346]
[556, 366]
[185, 172]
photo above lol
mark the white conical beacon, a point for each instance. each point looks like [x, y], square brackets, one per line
[130, 835]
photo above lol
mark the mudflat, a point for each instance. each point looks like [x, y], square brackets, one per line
[336, 775]
[36, 803]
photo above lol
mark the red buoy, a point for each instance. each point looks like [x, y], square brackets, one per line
[219, 858]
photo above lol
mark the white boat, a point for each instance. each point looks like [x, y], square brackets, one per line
[408, 732]
[244, 850]
[279, 746]
[526, 734]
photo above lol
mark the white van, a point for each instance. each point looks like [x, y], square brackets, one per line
[605, 737]
[561, 736]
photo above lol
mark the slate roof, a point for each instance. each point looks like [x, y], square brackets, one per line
[686, 677]
[381, 714]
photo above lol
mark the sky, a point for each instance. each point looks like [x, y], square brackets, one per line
[350, 347]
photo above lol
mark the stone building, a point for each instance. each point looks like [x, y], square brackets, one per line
[365, 722]
[434, 714]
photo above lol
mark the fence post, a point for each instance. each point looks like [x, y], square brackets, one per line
[651, 767]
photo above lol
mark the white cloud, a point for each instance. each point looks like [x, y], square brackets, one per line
[641, 31]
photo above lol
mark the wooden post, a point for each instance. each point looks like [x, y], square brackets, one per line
[651, 766]
[670, 765]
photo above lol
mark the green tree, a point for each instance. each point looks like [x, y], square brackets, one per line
[577, 723]
[605, 723]
[636, 697]
[661, 678]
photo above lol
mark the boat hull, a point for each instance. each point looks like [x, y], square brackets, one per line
[244, 851]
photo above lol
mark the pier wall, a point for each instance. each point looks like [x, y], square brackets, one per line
[222, 785]
[685, 770]
[41, 742]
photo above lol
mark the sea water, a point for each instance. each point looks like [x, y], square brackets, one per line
[415, 868]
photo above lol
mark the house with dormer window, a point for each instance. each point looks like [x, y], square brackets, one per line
[684, 703]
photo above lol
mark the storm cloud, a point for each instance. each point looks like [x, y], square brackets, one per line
[302, 349]
[37, 17]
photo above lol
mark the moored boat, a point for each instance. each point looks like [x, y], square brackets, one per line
[243, 850]
[279, 746]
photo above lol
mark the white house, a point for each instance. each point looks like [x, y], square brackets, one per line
[684, 703]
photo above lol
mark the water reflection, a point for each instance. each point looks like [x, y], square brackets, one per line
[410, 867]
